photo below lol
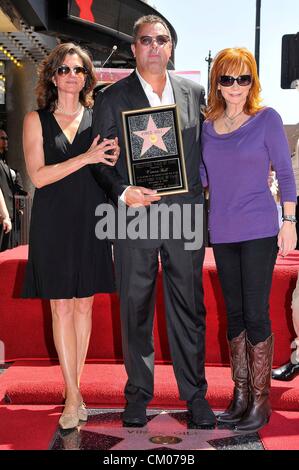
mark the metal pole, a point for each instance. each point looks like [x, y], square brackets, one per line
[258, 33]
[209, 60]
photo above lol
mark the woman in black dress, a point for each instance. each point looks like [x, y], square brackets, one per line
[67, 263]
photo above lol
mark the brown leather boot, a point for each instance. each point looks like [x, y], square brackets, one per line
[260, 364]
[239, 368]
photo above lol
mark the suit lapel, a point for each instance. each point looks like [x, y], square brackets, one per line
[182, 99]
[136, 95]
[6, 169]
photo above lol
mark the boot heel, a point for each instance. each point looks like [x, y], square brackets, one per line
[239, 368]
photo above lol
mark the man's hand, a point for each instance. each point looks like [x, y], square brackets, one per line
[137, 196]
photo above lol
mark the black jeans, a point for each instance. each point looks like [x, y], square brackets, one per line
[245, 271]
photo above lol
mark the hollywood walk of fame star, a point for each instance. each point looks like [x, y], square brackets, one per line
[152, 135]
[161, 425]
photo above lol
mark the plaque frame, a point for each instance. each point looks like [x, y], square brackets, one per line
[175, 159]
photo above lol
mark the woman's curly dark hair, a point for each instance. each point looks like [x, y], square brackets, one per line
[46, 91]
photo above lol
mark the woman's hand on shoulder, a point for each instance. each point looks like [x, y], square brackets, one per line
[287, 238]
[106, 152]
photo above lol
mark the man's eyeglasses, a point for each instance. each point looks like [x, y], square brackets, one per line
[3, 137]
[161, 40]
[228, 80]
[65, 70]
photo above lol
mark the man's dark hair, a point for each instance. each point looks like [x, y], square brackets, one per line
[148, 19]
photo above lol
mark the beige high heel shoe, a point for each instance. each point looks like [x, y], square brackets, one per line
[82, 412]
[69, 420]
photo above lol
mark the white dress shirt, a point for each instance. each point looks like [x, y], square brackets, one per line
[154, 100]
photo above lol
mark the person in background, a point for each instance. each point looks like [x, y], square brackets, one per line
[3, 145]
[5, 221]
[241, 139]
[11, 186]
[274, 188]
[67, 263]
[290, 370]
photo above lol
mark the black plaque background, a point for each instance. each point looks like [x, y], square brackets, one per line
[158, 174]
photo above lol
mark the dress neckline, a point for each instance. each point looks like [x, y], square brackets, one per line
[77, 131]
[234, 131]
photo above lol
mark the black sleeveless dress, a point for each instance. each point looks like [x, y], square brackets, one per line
[66, 259]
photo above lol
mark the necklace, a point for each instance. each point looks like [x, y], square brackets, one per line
[234, 117]
[229, 122]
[61, 110]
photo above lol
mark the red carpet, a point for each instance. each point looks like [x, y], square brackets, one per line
[27, 427]
[40, 382]
[32, 428]
[282, 433]
[30, 320]
[25, 329]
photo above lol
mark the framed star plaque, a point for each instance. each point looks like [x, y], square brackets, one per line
[154, 149]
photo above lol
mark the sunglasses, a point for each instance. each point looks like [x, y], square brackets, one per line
[65, 70]
[161, 40]
[3, 138]
[228, 80]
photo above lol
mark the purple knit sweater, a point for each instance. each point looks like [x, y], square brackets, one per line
[236, 168]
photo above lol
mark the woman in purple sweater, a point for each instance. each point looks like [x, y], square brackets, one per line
[241, 139]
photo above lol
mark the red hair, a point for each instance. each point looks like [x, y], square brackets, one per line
[233, 61]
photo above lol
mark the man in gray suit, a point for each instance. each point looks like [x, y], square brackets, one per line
[136, 261]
